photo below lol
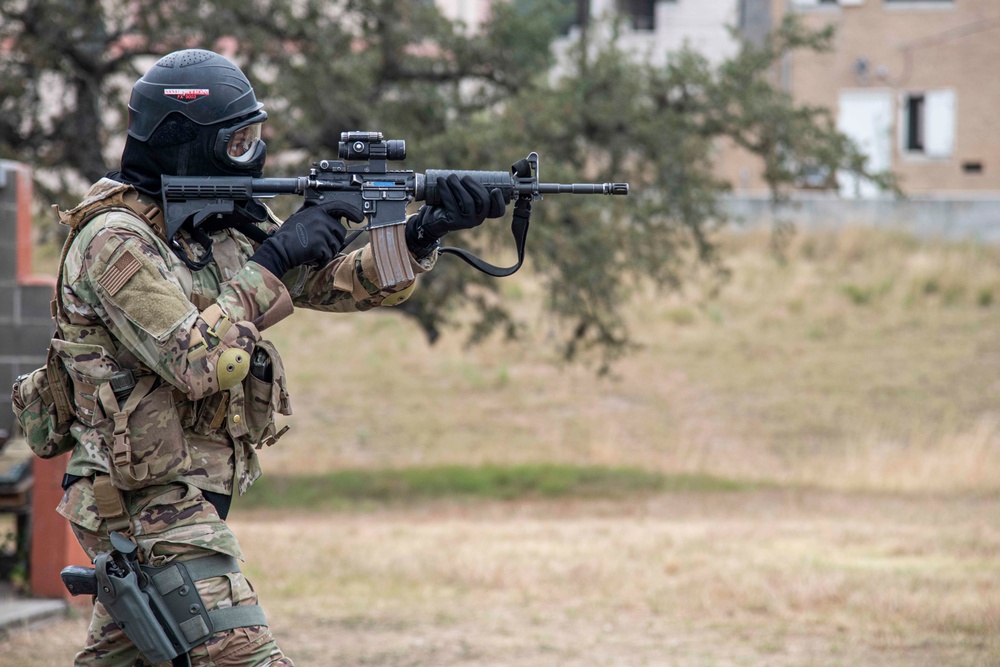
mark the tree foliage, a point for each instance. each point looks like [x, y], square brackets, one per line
[461, 100]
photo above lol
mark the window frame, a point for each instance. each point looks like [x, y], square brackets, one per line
[626, 9]
[929, 99]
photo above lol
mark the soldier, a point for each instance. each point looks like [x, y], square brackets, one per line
[172, 387]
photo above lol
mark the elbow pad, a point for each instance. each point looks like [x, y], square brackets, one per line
[234, 365]
[226, 346]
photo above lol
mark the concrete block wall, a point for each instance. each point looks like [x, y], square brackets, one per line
[25, 321]
[951, 218]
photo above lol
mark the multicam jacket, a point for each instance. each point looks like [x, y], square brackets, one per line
[127, 301]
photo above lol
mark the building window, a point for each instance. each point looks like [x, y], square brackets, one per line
[914, 123]
[928, 123]
[642, 13]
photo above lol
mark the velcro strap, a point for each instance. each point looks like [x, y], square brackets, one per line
[195, 629]
[111, 505]
[220, 412]
[196, 345]
[215, 565]
[168, 580]
[237, 617]
[108, 498]
[218, 323]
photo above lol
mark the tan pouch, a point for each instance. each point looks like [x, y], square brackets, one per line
[38, 417]
[145, 441]
[88, 366]
[263, 400]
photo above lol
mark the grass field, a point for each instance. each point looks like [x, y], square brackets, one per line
[801, 470]
[865, 360]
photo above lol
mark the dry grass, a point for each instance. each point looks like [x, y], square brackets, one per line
[866, 360]
[758, 578]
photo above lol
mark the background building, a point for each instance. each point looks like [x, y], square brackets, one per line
[660, 28]
[910, 81]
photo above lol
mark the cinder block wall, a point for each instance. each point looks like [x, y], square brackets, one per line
[25, 323]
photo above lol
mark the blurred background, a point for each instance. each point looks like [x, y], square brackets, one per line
[745, 416]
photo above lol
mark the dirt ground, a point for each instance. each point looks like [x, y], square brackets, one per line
[769, 577]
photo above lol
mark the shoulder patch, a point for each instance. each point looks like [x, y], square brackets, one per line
[120, 272]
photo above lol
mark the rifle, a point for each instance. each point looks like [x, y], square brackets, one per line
[382, 194]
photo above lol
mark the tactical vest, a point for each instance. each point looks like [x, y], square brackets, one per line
[113, 403]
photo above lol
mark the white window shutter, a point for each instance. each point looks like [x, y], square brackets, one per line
[805, 3]
[939, 123]
[851, 3]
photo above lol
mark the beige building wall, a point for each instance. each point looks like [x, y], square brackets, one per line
[473, 13]
[947, 52]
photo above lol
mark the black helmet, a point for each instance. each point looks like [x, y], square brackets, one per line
[200, 85]
[193, 113]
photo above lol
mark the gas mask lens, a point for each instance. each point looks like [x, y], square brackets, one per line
[242, 143]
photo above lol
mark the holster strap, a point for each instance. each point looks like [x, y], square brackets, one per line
[167, 579]
[215, 565]
[197, 627]
[237, 617]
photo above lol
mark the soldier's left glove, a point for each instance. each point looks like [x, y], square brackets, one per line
[465, 203]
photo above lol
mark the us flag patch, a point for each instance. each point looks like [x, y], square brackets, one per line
[119, 273]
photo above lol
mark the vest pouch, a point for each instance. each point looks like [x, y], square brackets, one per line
[88, 367]
[265, 394]
[36, 413]
[209, 413]
[146, 445]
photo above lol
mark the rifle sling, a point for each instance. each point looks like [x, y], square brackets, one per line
[518, 227]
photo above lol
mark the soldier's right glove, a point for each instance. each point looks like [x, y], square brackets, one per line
[311, 236]
[465, 203]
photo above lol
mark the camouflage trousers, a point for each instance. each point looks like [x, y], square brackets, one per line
[170, 522]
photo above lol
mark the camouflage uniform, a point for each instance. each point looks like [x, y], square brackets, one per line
[126, 301]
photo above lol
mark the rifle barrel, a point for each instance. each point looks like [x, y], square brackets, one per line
[582, 188]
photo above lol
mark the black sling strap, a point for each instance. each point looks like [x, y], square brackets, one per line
[518, 227]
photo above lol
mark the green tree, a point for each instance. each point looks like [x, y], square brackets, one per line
[609, 118]
[461, 100]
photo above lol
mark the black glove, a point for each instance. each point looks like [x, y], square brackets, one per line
[465, 203]
[313, 235]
